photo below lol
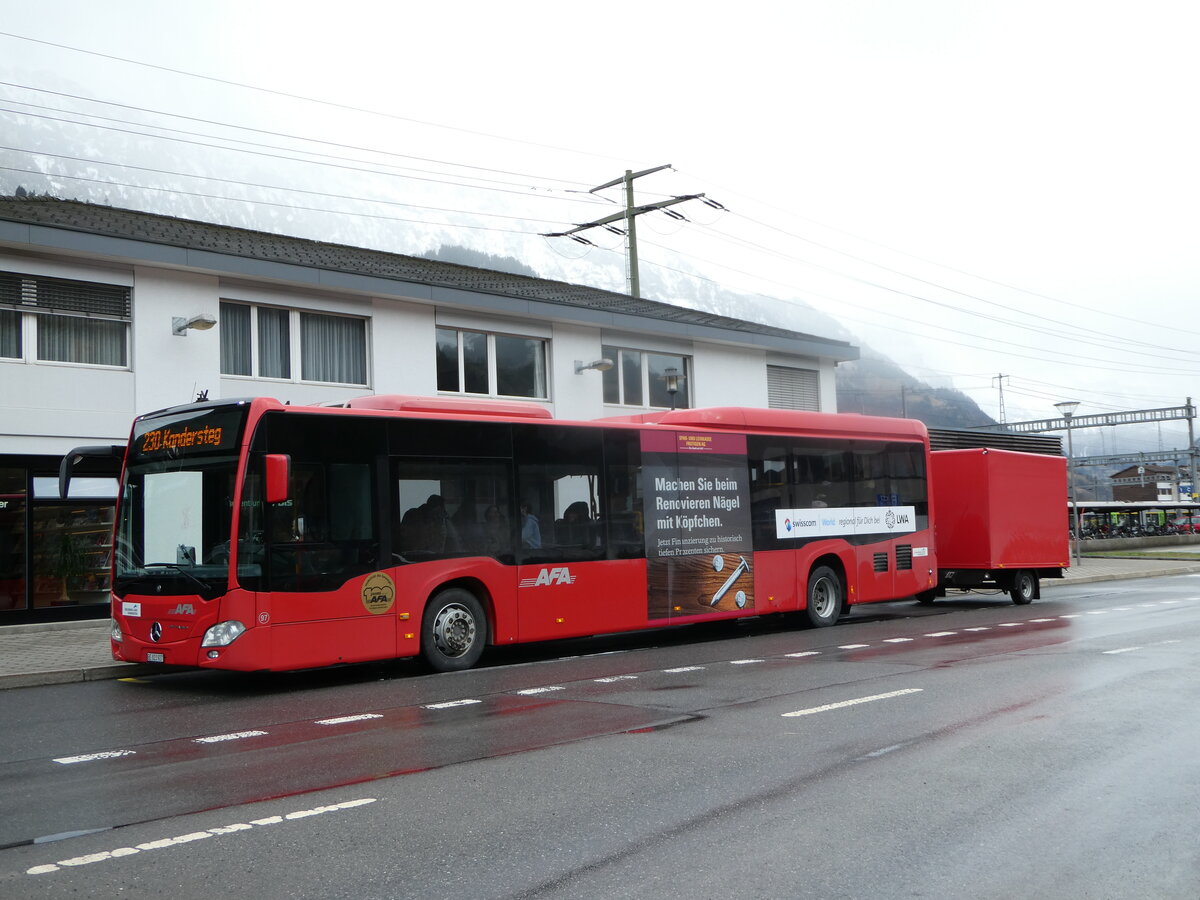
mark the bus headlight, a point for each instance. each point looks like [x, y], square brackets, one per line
[222, 634]
[114, 632]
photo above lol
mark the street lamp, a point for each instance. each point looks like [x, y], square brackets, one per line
[672, 378]
[1067, 408]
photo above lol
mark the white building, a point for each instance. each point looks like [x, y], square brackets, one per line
[94, 304]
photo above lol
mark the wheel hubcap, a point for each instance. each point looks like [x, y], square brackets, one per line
[454, 630]
[824, 598]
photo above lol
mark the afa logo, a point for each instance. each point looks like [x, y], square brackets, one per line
[550, 577]
[378, 593]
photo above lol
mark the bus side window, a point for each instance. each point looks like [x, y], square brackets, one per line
[559, 478]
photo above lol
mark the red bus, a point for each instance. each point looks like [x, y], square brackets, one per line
[252, 535]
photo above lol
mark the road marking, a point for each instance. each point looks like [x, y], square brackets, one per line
[1009, 624]
[844, 703]
[1041, 620]
[941, 633]
[1070, 616]
[1122, 650]
[219, 738]
[979, 628]
[541, 690]
[164, 843]
[853, 646]
[342, 720]
[449, 704]
[613, 678]
[1097, 612]
[896, 640]
[803, 653]
[90, 757]
[743, 662]
[684, 669]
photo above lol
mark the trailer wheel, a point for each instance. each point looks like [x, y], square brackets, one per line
[825, 597]
[1024, 587]
[453, 631]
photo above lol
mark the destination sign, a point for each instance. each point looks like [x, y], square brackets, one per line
[188, 434]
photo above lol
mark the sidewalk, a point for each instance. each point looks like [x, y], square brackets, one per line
[78, 651]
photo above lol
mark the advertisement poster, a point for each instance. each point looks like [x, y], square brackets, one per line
[697, 519]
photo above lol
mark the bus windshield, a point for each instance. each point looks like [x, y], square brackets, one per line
[176, 504]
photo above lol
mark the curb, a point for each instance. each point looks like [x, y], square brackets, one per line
[73, 676]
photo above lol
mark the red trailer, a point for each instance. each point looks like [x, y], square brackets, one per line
[1000, 520]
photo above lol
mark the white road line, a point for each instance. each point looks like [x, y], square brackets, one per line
[743, 662]
[684, 669]
[613, 678]
[1041, 620]
[1122, 650]
[164, 843]
[342, 720]
[1009, 624]
[853, 646]
[450, 704]
[941, 633]
[1121, 608]
[541, 690]
[1097, 612]
[91, 757]
[1172, 602]
[844, 703]
[976, 628]
[1071, 616]
[803, 653]
[896, 640]
[221, 738]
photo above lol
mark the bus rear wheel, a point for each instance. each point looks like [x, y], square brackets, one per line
[453, 631]
[825, 597]
[1024, 587]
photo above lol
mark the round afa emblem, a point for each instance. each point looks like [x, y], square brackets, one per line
[378, 593]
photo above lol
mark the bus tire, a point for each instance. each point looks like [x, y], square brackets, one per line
[453, 631]
[925, 598]
[826, 597]
[1024, 587]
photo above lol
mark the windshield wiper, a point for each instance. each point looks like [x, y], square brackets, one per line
[182, 571]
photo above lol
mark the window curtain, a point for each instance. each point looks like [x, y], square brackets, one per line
[71, 339]
[333, 349]
[235, 339]
[274, 343]
[10, 334]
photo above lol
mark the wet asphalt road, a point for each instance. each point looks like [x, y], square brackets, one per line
[973, 748]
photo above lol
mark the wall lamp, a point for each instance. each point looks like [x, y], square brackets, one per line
[202, 322]
[600, 365]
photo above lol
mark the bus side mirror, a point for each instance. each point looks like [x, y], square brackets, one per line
[278, 472]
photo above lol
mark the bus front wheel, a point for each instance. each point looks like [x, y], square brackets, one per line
[453, 631]
[1024, 587]
[824, 597]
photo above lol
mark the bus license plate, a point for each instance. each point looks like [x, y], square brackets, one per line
[155, 657]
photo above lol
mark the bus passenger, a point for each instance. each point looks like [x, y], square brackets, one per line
[531, 529]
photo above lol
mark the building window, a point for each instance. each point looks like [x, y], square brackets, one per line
[265, 341]
[639, 378]
[792, 388]
[61, 320]
[477, 362]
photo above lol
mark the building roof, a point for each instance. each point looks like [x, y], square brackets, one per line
[50, 224]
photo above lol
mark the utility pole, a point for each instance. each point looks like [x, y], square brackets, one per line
[999, 381]
[629, 215]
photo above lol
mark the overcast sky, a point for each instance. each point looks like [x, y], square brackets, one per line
[972, 188]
